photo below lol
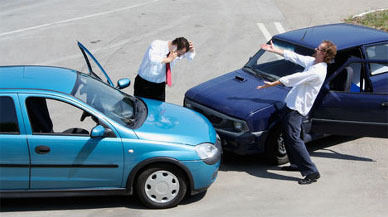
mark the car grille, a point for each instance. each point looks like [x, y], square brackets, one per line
[220, 121]
[213, 118]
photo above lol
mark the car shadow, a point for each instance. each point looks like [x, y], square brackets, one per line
[68, 203]
[75, 203]
[326, 143]
[255, 165]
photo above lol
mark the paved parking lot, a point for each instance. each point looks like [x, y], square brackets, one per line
[225, 33]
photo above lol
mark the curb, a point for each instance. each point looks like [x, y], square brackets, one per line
[368, 12]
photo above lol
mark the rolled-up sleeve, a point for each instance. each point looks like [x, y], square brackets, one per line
[297, 78]
[190, 55]
[298, 59]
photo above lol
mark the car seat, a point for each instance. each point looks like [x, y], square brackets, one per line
[39, 115]
[343, 80]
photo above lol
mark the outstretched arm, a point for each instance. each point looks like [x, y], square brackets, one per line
[271, 48]
[268, 84]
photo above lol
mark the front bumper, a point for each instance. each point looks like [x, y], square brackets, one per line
[203, 174]
[245, 143]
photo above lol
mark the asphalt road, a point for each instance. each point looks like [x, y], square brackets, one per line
[354, 171]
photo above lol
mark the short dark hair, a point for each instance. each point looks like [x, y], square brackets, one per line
[181, 43]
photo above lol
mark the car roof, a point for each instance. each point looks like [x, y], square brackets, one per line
[38, 77]
[342, 34]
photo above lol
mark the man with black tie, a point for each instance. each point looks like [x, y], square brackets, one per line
[155, 70]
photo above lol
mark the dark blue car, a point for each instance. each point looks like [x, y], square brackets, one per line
[352, 101]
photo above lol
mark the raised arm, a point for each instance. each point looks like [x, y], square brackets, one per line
[271, 48]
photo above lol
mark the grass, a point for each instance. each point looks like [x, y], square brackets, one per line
[377, 20]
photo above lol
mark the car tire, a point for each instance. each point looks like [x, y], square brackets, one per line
[275, 150]
[161, 186]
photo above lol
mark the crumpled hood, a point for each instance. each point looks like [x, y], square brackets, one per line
[171, 123]
[236, 96]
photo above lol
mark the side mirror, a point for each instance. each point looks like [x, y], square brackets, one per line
[123, 83]
[97, 131]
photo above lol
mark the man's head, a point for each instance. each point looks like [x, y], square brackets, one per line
[182, 45]
[326, 51]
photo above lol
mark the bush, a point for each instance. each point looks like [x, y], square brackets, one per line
[377, 20]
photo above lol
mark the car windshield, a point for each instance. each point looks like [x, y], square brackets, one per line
[273, 66]
[113, 103]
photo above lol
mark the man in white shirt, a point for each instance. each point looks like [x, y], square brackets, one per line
[155, 70]
[299, 101]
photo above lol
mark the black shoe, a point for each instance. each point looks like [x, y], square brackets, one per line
[290, 168]
[313, 177]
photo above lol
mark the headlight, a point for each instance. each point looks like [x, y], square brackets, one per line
[208, 152]
[240, 126]
[187, 104]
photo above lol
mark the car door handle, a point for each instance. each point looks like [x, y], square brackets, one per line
[42, 149]
[384, 104]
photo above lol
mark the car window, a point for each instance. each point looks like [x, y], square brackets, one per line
[8, 117]
[379, 77]
[50, 116]
[377, 68]
[351, 79]
[355, 85]
[377, 52]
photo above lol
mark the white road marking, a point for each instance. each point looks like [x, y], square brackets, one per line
[75, 19]
[264, 30]
[279, 27]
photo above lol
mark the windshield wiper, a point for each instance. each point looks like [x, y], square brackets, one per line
[136, 107]
[251, 70]
[130, 119]
[269, 76]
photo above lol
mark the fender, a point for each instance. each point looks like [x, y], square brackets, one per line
[146, 162]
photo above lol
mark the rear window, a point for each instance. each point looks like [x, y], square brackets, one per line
[377, 52]
[8, 118]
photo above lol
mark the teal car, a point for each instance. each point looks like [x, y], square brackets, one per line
[68, 133]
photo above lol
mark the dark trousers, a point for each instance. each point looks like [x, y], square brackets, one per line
[296, 149]
[151, 90]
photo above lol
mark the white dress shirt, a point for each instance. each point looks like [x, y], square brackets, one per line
[305, 85]
[151, 68]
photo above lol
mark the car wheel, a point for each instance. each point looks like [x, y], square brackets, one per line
[275, 150]
[161, 186]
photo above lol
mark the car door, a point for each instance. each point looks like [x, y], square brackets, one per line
[358, 106]
[14, 155]
[63, 155]
[94, 67]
